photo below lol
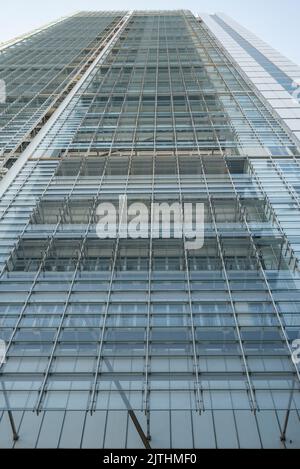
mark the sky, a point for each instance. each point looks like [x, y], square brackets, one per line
[274, 21]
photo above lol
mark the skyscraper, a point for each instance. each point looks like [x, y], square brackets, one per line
[141, 342]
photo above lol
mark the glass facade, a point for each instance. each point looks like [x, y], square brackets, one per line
[197, 344]
[279, 75]
[40, 70]
[275, 77]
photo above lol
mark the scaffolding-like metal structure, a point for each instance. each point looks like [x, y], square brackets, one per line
[158, 113]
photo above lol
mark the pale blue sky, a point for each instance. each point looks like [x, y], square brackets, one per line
[275, 21]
